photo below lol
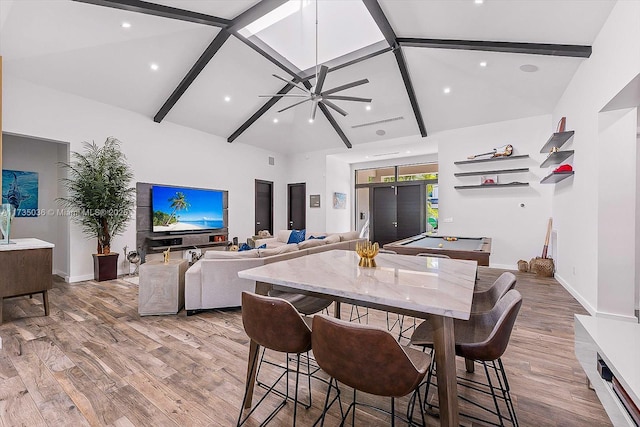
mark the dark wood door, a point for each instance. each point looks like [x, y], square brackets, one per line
[410, 210]
[383, 218]
[264, 206]
[297, 217]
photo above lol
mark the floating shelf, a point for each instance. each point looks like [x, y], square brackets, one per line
[492, 159]
[495, 172]
[510, 184]
[557, 157]
[558, 139]
[556, 177]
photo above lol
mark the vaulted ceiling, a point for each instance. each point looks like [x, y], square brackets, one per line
[81, 47]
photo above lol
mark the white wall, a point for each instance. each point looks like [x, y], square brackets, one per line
[516, 232]
[338, 181]
[615, 61]
[158, 153]
[309, 168]
[27, 154]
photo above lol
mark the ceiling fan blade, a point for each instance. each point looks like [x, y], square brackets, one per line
[320, 81]
[348, 98]
[275, 95]
[343, 87]
[314, 109]
[293, 105]
[334, 106]
[302, 88]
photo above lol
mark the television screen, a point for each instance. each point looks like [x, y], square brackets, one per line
[178, 209]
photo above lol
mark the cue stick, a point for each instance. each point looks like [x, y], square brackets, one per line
[546, 240]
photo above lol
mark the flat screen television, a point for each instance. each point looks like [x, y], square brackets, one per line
[184, 210]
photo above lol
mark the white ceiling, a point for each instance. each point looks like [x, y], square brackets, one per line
[82, 49]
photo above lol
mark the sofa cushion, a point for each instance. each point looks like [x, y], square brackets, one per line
[349, 235]
[283, 235]
[334, 238]
[263, 253]
[296, 236]
[230, 254]
[312, 243]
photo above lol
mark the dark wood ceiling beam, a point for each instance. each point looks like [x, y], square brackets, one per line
[197, 68]
[575, 51]
[331, 120]
[266, 107]
[389, 34]
[162, 11]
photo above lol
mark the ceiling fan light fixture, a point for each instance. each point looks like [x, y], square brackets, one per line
[368, 107]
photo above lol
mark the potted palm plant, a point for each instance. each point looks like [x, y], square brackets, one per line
[100, 198]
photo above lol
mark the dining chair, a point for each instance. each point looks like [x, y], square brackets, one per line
[275, 324]
[483, 338]
[370, 360]
[485, 300]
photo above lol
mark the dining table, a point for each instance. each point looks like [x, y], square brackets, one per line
[436, 289]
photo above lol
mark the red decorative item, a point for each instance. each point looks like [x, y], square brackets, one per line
[563, 168]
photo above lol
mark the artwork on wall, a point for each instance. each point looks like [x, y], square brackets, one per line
[339, 201]
[314, 201]
[20, 189]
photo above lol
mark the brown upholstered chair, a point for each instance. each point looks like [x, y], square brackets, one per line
[487, 299]
[275, 324]
[305, 304]
[367, 359]
[483, 338]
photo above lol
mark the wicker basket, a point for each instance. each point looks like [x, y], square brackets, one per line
[545, 267]
[532, 265]
[523, 266]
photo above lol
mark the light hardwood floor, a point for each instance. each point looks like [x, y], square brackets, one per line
[94, 361]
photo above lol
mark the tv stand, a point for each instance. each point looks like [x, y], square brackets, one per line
[156, 244]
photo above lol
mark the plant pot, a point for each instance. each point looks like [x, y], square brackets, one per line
[105, 267]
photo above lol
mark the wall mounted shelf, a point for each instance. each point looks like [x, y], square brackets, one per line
[555, 177]
[491, 159]
[557, 157]
[510, 184]
[558, 139]
[493, 172]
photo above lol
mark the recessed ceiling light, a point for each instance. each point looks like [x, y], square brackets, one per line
[227, 98]
[368, 108]
[366, 157]
[126, 25]
[478, 1]
[408, 151]
[310, 120]
[275, 120]
[483, 64]
[447, 90]
[529, 68]
[154, 67]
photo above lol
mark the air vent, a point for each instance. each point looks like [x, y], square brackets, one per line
[393, 119]
[385, 154]
[272, 160]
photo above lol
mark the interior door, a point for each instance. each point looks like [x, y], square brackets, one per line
[410, 211]
[297, 215]
[383, 218]
[264, 206]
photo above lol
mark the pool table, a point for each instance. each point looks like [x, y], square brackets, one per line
[473, 248]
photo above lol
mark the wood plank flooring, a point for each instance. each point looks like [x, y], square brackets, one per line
[95, 362]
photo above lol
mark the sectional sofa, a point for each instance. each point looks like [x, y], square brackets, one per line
[213, 281]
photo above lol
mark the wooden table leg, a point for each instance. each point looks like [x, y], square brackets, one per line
[45, 301]
[261, 289]
[444, 346]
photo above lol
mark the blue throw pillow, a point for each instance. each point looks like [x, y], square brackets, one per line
[296, 236]
[245, 247]
[319, 237]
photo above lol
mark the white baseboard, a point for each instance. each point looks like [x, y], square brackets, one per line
[62, 274]
[75, 279]
[504, 266]
[592, 311]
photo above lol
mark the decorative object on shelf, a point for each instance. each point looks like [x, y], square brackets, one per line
[339, 201]
[506, 151]
[20, 189]
[489, 179]
[100, 197]
[166, 255]
[367, 252]
[7, 211]
[314, 201]
[561, 124]
[523, 266]
[563, 168]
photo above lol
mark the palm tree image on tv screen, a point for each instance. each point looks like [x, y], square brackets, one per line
[186, 209]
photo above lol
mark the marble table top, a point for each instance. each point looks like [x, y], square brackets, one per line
[421, 284]
[22, 244]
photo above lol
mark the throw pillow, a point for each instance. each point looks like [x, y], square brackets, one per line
[296, 236]
[246, 247]
[334, 238]
[319, 237]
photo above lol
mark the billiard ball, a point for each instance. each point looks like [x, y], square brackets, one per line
[439, 245]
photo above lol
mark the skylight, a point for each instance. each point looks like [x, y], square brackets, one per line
[290, 30]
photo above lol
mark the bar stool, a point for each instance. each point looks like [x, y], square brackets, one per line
[487, 299]
[275, 324]
[305, 304]
[368, 359]
[483, 338]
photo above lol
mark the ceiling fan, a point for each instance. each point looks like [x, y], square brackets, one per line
[315, 93]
